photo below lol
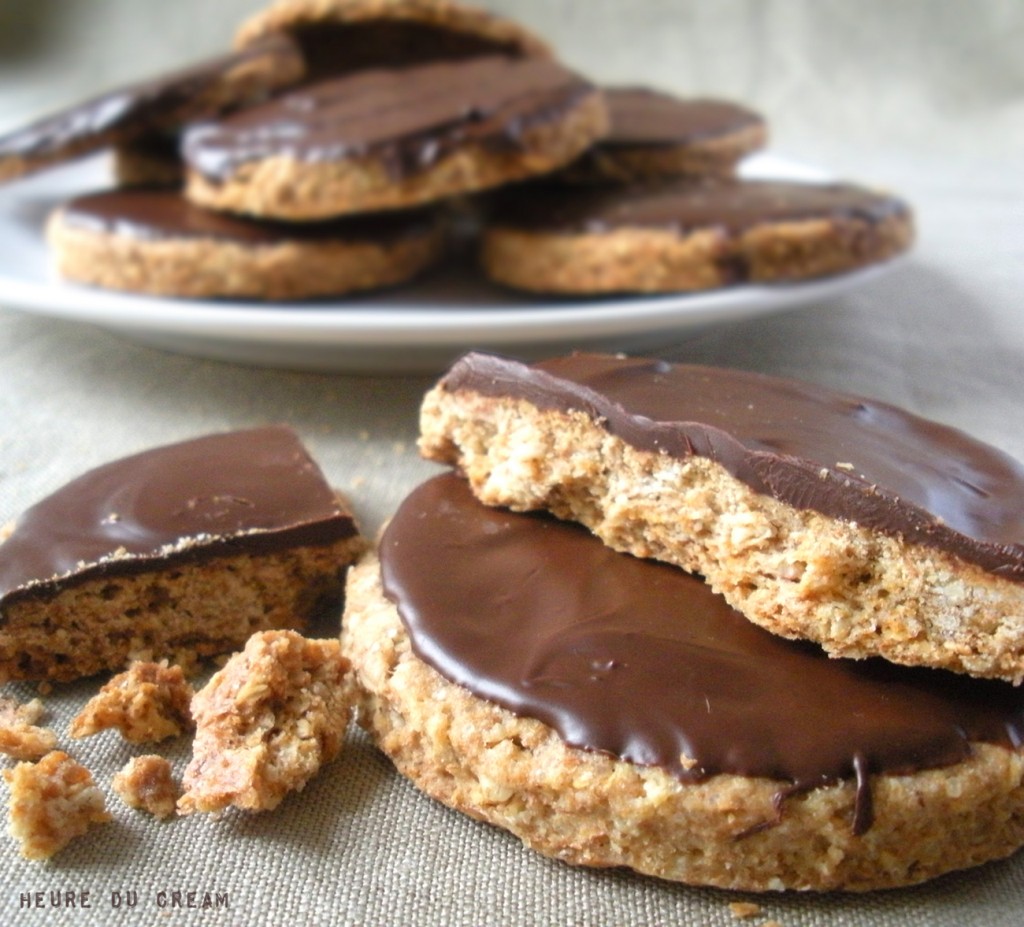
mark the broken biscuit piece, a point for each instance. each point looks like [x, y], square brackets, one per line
[52, 802]
[147, 702]
[180, 552]
[147, 783]
[20, 737]
[267, 722]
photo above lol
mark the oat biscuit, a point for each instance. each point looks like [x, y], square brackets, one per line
[614, 711]
[393, 138]
[147, 783]
[51, 803]
[655, 135]
[267, 722]
[679, 236]
[20, 736]
[834, 518]
[342, 36]
[154, 241]
[177, 553]
[162, 104]
[147, 702]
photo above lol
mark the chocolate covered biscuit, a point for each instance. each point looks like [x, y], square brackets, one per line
[157, 106]
[343, 36]
[155, 241]
[818, 515]
[615, 711]
[678, 236]
[178, 552]
[654, 135]
[390, 138]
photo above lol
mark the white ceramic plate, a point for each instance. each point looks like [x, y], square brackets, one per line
[419, 328]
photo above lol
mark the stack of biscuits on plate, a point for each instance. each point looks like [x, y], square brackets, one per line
[330, 151]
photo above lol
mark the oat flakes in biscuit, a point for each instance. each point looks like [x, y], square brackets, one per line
[819, 515]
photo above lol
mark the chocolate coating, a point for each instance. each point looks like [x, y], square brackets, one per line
[685, 206]
[410, 118]
[845, 456]
[135, 109]
[220, 495]
[640, 116]
[643, 661]
[160, 213]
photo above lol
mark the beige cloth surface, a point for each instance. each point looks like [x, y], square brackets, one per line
[924, 98]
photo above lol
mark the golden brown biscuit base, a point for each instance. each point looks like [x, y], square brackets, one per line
[592, 809]
[494, 33]
[208, 267]
[267, 722]
[248, 79]
[795, 572]
[184, 613]
[700, 159]
[642, 260]
[283, 188]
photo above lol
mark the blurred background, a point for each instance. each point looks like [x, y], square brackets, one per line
[829, 74]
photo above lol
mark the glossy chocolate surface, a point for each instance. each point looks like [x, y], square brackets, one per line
[845, 456]
[643, 661]
[409, 117]
[163, 213]
[649, 117]
[136, 109]
[685, 206]
[219, 495]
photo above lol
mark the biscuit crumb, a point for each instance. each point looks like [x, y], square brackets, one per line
[843, 465]
[147, 702]
[146, 782]
[267, 722]
[20, 738]
[52, 802]
[744, 909]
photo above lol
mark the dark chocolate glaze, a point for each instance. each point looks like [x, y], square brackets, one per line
[136, 109]
[410, 118]
[220, 495]
[643, 661]
[162, 213]
[685, 206]
[640, 116]
[845, 456]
